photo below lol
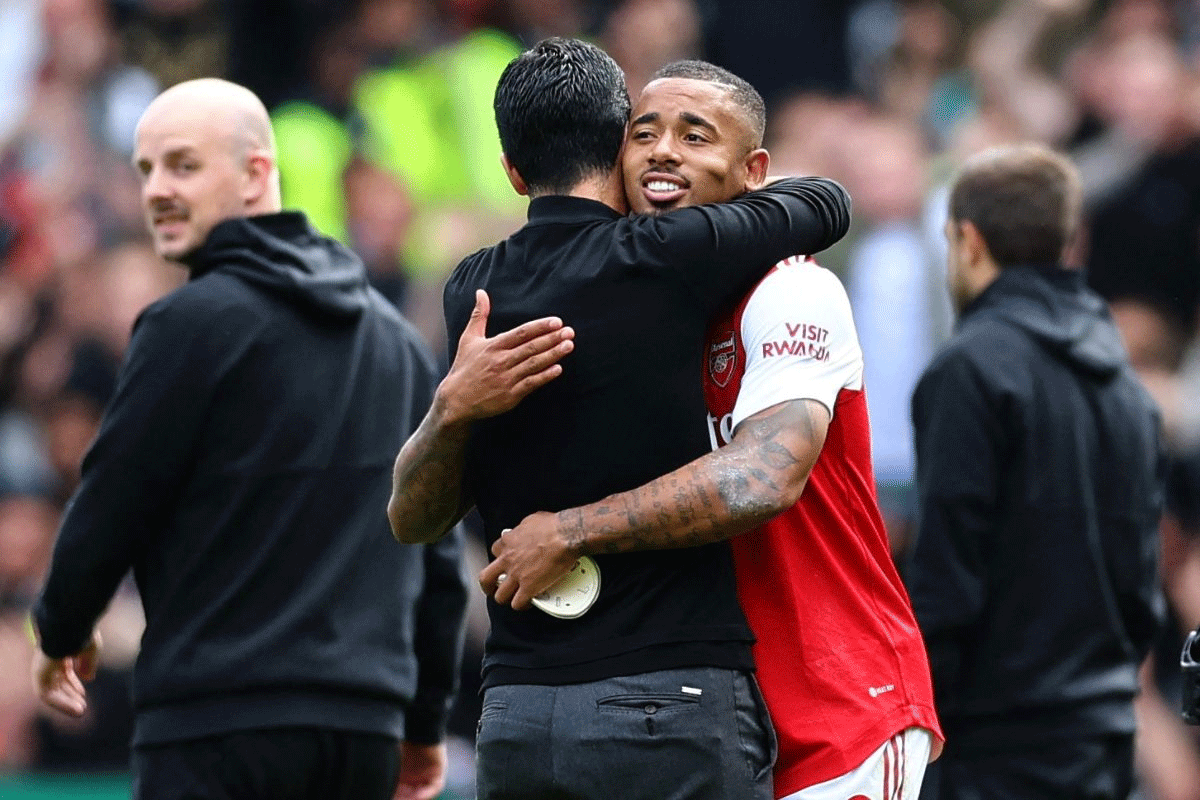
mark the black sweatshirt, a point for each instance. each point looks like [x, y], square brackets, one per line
[243, 471]
[1040, 479]
[639, 292]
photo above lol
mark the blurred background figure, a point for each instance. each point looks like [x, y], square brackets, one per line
[642, 35]
[383, 114]
[897, 290]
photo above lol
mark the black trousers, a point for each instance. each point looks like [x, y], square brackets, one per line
[1088, 769]
[279, 764]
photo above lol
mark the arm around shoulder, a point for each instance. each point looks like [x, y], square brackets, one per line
[827, 199]
[722, 249]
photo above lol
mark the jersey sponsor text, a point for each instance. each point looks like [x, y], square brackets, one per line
[817, 352]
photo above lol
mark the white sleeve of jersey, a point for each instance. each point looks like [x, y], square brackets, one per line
[800, 342]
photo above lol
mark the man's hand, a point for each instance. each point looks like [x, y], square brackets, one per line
[422, 771]
[59, 681]
[532, 557]
[491, 375]
[761, 473]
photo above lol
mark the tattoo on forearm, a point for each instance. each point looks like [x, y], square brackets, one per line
[729, 490]
[427, 488]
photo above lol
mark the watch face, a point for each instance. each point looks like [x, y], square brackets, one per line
[574, 594]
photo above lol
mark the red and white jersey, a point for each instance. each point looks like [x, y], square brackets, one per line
[840, 659]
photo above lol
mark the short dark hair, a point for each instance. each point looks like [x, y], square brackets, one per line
[1025, 200]
[743, 94]
[561, 110]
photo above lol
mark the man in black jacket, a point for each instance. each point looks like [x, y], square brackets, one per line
[242, 472]
[647, 694]
[1034, 574]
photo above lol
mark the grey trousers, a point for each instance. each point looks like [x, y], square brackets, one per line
[687, 734]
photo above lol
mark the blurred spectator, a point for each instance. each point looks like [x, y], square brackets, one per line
[175, 40]
[1143, 237]
[1155, 342]
[19, 59]
[18, 704]
[904, 53]
[1007, 62]
[806, 133]
[898, 294]
[425, 119]
[380, 213]
[1144, 216]
[318, 131]
[271, 43]
[782, 48]
[534, 20]
[397, 29]
[642, 35]
[27, 526]
[83, 69]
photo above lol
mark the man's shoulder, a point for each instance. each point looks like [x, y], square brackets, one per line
[474, 268]
[796, 283]
[198, 298]
[471, 273]
[978, 353]
[800, 272]
[981, 335]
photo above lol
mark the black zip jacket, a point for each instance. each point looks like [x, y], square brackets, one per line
[1034, 574]
[243, 471]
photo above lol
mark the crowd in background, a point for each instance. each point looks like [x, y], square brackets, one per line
[382, 110]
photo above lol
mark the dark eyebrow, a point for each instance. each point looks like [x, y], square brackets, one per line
[697, 120]
[651, 116]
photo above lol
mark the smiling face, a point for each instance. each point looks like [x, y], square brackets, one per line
[190, 181]
[688, 143]
[204, 154]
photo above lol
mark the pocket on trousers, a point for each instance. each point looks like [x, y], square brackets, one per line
[757, 734]
[492, 710]
[648, 703]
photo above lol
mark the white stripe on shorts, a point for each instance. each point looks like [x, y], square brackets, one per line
[893, 772]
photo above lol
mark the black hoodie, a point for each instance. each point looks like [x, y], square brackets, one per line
[1034, 574]
[243, 471]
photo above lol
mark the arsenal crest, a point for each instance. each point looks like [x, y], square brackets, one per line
[722, 359]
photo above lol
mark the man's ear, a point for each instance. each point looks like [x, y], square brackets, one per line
[758, 162]
[514, 177]
[258, 176]
[972, 242]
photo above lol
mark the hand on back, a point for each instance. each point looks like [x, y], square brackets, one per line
[492, 375]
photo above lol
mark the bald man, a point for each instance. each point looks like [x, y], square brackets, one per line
[242, 472]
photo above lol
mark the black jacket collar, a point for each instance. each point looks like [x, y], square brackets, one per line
[1020, 278]
[559, 208]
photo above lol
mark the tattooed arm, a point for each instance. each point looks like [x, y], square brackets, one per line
[428, 496]
[752, 479]
[489, 376]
